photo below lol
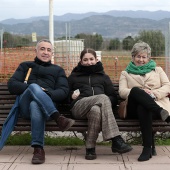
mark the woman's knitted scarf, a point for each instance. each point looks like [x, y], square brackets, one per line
[141, 70]
[97, 68]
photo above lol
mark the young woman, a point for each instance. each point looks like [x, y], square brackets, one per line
[93, 96]
[146, 88]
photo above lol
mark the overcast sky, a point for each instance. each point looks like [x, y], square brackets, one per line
[20, 9]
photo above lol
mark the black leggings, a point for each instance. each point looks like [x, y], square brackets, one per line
[142, 106]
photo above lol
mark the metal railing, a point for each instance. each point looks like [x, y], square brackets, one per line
[10, 58]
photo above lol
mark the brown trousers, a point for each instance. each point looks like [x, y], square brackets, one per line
[98, 110]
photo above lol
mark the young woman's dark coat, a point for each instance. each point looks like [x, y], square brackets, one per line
[91, 80]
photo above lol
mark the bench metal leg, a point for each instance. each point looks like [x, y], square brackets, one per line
[84, 135]
[153, 144]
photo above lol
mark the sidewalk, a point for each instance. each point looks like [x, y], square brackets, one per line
[72, 158]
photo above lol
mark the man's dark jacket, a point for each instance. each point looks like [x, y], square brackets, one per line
[48, 76]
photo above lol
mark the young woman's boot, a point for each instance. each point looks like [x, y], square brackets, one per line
[90, 154]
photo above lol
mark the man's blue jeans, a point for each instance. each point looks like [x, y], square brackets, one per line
[36, 105]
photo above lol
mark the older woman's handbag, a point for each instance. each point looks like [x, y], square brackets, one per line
[122, 110]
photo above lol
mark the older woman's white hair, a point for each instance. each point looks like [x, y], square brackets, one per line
[141, 47]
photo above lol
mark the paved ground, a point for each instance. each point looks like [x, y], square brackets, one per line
[72, 158]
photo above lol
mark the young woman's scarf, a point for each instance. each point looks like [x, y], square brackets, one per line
[141, 70]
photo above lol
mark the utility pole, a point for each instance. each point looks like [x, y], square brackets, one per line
[51, 25]
[2, 32]
[167, 52]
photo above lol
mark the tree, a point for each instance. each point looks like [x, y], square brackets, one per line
[15, 40]
[7, 40]
[128, 43]
[91, 41]
[155, 39]
[114, 44]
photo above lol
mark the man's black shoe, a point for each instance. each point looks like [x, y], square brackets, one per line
[164, 114]
[90, 154]
[119, 145]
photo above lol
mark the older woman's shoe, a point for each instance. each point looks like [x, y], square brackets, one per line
[145, 155]
[90, 154]
[164, 114]
[154, 153]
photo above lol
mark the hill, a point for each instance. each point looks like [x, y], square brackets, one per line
[105, 24]
[155, 15]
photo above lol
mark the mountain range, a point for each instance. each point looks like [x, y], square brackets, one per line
[111, 24]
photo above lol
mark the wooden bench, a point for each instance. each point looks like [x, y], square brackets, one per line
[7, 100]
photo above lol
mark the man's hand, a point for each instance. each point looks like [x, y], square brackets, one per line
[45, 90]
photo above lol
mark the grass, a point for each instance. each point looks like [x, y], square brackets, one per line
[163, 142]
[25, 139]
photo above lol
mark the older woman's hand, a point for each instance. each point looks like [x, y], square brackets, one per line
[147, 91]
[150, 93]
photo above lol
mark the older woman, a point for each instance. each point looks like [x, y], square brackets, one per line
[92, 95]
[146, 87]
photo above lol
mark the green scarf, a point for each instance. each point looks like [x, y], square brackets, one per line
[141, 70]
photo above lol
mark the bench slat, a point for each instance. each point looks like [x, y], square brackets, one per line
[7, 100]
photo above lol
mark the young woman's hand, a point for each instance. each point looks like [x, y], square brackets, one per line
[75, 94]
